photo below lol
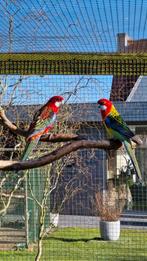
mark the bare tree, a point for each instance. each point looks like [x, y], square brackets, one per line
[60, 147]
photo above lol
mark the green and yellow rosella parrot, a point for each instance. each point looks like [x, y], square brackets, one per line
[42, 123]
[117, 128]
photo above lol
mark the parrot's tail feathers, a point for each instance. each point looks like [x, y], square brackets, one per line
[137, 140]
[133, 159]
[29, 148]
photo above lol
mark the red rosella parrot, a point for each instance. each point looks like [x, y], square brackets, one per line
[118, 129]
[43, 121]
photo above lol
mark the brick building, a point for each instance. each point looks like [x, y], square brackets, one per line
[123, 85]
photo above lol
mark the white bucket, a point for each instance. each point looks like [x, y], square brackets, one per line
[110, 230]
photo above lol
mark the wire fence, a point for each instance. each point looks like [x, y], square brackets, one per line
[65, 202]
[83, 50]
[73, 26]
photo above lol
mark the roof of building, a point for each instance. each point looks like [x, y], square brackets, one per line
[132, 112]
[121, 87]
[139, 91]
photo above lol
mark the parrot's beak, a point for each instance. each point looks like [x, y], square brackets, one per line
[99, 106]
[62, 102]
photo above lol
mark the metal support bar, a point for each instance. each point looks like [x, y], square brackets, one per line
[73, 63]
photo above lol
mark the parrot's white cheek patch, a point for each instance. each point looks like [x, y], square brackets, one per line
[103, 107]
[57, 104]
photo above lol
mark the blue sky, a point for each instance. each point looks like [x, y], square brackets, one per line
[70, 25]
[37, 90]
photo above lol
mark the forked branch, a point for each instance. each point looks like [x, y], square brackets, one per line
[6, 165]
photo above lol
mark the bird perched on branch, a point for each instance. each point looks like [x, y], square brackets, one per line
[117, 128]
[42, 123]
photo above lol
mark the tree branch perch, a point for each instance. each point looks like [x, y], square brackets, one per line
[7, 123]
[10, 165]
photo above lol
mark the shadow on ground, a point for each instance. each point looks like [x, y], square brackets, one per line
[75, 240]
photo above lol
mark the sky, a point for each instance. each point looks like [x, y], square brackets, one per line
[70, 25]
[38, 89]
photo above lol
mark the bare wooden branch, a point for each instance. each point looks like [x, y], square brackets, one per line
[7, 195]
[7, 123]
[60, 137]
[6, 165]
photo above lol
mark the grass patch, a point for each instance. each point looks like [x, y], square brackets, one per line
[78, 244]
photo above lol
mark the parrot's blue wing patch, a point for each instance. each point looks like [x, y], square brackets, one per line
[118, 124]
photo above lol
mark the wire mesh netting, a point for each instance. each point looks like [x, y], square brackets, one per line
[71, 26]
[71, 195]
[76, 199]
